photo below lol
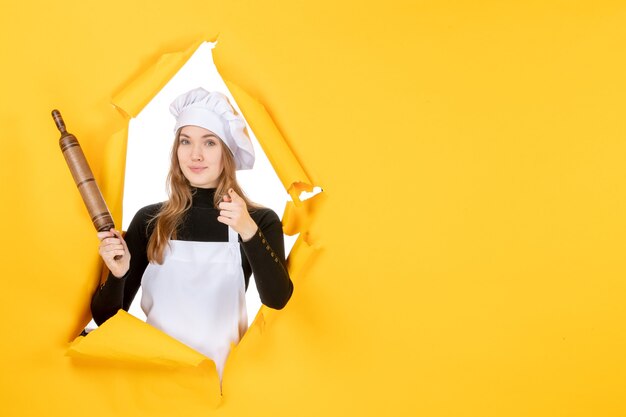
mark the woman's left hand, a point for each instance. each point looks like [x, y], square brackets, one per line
[234, 212]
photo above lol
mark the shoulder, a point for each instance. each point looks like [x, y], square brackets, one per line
[149, 210]
[143, 216]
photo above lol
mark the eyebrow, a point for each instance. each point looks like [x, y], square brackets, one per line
[208, 135]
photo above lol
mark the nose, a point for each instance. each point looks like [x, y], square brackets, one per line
[196, 153]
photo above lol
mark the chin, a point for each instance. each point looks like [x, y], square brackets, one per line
[203, 184]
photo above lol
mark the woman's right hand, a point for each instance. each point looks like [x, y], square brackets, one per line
[112, 244]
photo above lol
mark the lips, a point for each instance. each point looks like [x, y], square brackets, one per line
[197, 170]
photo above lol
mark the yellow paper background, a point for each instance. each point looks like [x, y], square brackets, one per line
[471, 226]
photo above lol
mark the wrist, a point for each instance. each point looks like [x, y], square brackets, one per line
[117, 274]
[249, 232]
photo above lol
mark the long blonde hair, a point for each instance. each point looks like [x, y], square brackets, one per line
[172, 212]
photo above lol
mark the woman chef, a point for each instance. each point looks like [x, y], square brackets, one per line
[194, 253]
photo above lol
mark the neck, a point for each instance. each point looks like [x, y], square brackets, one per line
[202, 197]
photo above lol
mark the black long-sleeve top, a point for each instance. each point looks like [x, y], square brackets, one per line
[263, 255]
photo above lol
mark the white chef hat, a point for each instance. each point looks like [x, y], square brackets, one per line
[212, 111]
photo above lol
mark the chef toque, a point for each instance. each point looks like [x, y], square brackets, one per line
[212, 111]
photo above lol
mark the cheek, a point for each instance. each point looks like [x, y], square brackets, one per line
[216, 157]
[220, 167]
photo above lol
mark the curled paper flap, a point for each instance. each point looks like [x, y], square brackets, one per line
[301, 255]
[281, 157]
[138, 93]
[125, 338]
[297, 218]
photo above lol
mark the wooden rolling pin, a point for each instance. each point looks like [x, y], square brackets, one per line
[83, 177]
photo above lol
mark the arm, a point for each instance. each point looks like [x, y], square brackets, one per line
[265, 253]
[118, 293]
[261, 236]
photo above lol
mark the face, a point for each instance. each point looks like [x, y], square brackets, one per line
[200, 156]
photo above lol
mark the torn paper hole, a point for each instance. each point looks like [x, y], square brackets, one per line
[148, 156]
[305, 195]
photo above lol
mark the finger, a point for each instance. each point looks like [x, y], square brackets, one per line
[225, 220]
[111, 255]
[228, 213]
[117, 233]
[227, 198]
[111, 241]
[103, 235]
[109, 233]
[228, 206]
[105, 245]
[113, 248]
[119, 237]
[233, 194]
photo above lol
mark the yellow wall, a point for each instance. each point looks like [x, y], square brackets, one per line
[470, 233]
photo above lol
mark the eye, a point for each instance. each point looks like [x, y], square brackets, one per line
[210, 142]
[184, 142]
